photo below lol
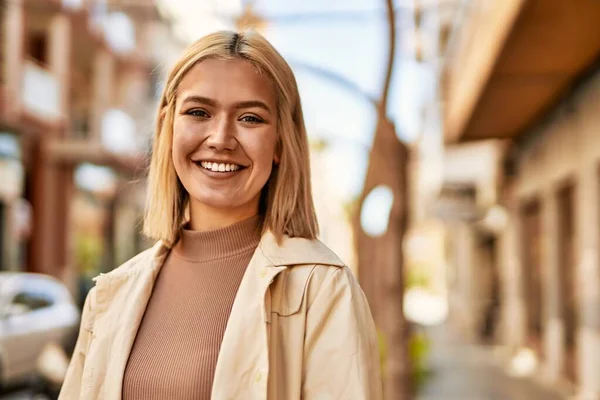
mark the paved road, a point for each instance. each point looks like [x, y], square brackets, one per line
[463, 372]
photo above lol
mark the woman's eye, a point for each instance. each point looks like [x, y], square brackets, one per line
[198, 113]
[251, 119]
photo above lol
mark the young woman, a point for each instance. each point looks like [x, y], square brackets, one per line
[238, 299]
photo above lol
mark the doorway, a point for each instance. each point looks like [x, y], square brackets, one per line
[491, 286]
[567, 269]
[533, 274]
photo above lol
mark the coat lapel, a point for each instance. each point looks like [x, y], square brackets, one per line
[243, 365]
[128, 291]
[244, 350]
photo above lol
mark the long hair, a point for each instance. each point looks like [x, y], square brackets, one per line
[286, 200]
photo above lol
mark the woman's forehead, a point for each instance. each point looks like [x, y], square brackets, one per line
[226, 82]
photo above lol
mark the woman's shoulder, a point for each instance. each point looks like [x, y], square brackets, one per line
[113, 284]
[312, 267]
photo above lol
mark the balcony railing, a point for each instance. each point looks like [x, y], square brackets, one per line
[40, 92]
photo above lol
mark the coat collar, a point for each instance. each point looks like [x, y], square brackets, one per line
[297, 251]
[289, 252]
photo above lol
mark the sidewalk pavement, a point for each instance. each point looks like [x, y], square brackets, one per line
[468, 372]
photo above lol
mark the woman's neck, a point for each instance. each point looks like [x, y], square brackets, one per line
[206, 218]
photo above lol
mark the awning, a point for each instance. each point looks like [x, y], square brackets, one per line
[513, 61]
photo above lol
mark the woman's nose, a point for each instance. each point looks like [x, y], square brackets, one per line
[222, 136]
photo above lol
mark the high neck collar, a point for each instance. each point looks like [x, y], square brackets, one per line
[202, 246]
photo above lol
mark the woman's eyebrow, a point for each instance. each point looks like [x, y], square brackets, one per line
[252, 104]
[201, 100]
[239, 105]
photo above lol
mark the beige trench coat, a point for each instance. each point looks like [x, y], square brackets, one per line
[300, 328]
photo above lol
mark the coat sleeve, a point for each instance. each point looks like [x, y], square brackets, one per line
[71, 387]
[341, 353]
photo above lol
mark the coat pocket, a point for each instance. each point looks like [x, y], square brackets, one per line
[289, 289]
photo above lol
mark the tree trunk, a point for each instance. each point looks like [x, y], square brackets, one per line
[380, 259]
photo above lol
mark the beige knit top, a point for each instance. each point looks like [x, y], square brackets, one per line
[176, 348]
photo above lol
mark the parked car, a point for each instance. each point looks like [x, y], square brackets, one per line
[37, 313]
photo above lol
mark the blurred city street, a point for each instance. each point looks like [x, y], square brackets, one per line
[455, 158]
[462, 371]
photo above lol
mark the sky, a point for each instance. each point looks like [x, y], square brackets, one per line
[347, 38]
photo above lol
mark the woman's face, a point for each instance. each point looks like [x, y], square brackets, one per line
[224, 135]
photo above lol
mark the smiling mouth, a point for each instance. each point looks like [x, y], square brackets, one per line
[219, 167]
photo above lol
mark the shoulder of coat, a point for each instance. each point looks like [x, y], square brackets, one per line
[298, 251]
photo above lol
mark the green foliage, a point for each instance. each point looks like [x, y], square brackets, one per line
[319, 145]
[88, 254]
[417, 277]
[418, 350]
[382, 351]
[351, 208]
[418, 353]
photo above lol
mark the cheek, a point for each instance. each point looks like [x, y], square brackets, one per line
[183, 141]
[263, 151]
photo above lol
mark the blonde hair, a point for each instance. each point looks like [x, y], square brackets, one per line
[286, 201]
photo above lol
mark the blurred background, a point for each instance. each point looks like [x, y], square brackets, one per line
[456, 168]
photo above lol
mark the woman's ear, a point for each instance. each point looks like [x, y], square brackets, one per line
[276, 159]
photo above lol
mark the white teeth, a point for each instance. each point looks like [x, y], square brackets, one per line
[219, 167]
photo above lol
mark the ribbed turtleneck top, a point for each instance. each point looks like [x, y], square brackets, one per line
[175, 352]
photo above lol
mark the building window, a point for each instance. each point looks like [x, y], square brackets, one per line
[38, 48]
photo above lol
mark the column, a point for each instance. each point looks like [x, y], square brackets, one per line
[59, 58]
[466, 279]
[59, 50]
[513, 320]
[554, 353]
[13, 40]
[102, 91]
